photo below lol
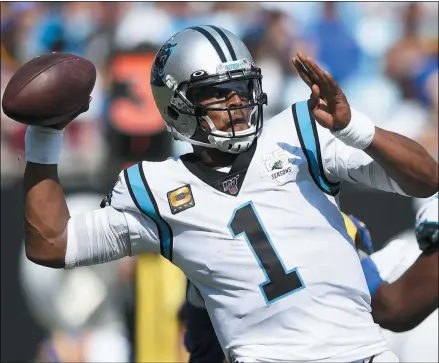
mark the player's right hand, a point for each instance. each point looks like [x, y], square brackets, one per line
[72, 116]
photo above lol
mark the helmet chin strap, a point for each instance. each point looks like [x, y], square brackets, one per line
[229, 145]
[232, 146]
[217, 142]
[253, 113]
[210, 123]
[181, 137]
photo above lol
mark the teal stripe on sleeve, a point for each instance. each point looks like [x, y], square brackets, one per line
[147, 205]
[311, 148]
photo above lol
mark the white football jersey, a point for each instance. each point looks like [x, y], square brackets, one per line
[265, 243]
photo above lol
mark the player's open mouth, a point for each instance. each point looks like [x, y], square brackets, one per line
[239, 124]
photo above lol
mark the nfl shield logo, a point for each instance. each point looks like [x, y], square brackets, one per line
[231, 185]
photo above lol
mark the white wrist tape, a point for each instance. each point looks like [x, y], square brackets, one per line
[43, 144]
[359, 133]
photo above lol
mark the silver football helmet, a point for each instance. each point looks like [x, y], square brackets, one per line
[203, 60]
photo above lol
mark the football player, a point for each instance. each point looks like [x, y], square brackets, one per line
[396, 305]
[406, 304]
[251, 215]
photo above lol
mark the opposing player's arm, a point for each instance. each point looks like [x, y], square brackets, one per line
[53, 239]
[403, 160]
[405, 303]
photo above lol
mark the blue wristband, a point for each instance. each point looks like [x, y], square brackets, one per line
[371, 273]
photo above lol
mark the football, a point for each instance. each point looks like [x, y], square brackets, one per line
[48, 89]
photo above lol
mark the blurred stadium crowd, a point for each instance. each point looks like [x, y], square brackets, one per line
[384, 55]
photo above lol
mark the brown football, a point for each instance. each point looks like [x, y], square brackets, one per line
[49, 88]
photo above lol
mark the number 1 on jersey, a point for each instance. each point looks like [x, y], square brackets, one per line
[279, 282]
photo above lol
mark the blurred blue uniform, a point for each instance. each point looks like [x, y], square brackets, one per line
[200, 339]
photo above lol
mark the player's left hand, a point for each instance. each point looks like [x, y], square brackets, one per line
[328, 103]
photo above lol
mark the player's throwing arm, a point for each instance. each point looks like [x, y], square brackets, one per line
[47, 93]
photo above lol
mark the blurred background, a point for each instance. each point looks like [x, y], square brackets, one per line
[384, 56]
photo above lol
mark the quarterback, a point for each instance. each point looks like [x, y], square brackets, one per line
[406, 304]
[251, 215]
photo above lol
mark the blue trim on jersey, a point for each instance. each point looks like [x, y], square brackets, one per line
[310, 147]
[267, 280]
[149, 207]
